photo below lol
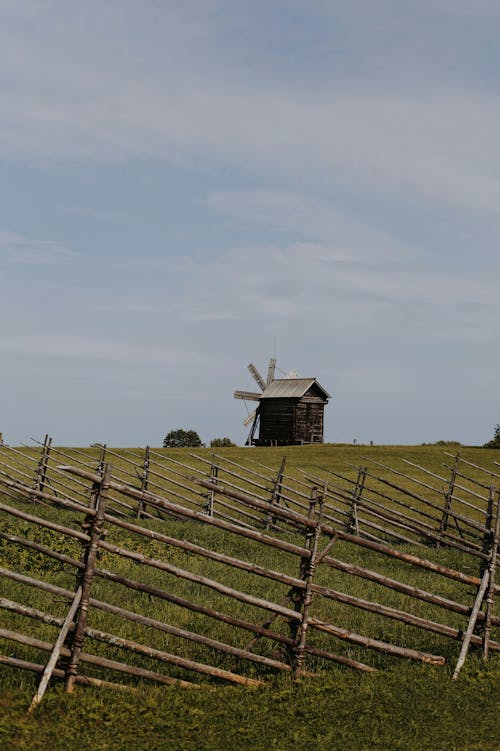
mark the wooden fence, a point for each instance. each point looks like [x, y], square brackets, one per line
[292, 613]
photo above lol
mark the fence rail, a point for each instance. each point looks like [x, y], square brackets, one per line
[292, 619]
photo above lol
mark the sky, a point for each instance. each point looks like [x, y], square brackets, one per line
[188, 187]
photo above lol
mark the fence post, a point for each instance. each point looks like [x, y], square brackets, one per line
[41, 470]
[487, 536]
[352, 524]
[276, 494]
[214, 474]
[490, 594]
[144, 482]
[303, 599]
[94, 525]
[443, 525]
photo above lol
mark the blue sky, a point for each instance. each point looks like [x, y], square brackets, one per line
[188, 187]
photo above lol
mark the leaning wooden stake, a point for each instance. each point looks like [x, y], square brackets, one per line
[89, 559]
[56, 652]
[472, 622]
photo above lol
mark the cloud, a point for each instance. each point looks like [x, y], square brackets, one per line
[157, 91]
[307, 281]
[315, 218]
[92, 213]
[82, 347]
[18, 249]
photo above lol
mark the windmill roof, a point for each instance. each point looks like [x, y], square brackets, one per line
[290, 388]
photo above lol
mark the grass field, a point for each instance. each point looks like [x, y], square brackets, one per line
[405, 705]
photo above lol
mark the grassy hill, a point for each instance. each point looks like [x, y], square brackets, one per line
[405, 705]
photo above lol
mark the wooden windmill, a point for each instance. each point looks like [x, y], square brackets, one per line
[290, 410]
[252, 396]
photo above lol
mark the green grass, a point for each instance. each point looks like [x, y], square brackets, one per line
[405, 705]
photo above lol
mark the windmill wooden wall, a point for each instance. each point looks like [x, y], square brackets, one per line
[291, 412]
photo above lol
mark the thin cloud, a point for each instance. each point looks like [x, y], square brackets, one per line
[82, 347]
[437, 145]
[92, 213]
[18, 249]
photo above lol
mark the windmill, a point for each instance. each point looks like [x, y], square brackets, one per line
[289, 410]
[252, 396]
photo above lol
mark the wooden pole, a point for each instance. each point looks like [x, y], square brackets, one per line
[41, 470]
[472, 622]
[306, 598]
[352, 524]
[214, 473]
[49, 668]
[276, 494]
[90, 556]
[102, 662]
[443, 524]
[487, 537]
[491, 583]
[144, 483]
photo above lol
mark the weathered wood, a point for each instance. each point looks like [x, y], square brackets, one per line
[55, 654]
[301, 521]
[246, 469]
[89, 559]
[144, 482]
[448, 497]
[155, 592]
[97, 661]
[85, 680]
[407, 589]
[443, 479]
[22, 487]
[205, 552]
[477, 466]
[453, 514]
[275, 494]
[248, 396]
[205, 581]
[490, 594]
[472, 622]
[151, 623]
[195, 607]
[340, 659]
[306, 596]
[376, 644]
[198, 515]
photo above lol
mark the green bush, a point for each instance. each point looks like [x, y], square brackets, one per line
[182, 439]
[495, 441]
[221, 442]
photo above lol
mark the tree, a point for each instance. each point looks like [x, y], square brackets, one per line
[495, 442]
[218, 443]
[182, 439]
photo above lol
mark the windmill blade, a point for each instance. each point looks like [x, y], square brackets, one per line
[270, 370]
[292, 374]
[249, 440]
[248, 396]
[257, 376]
[250, 418]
